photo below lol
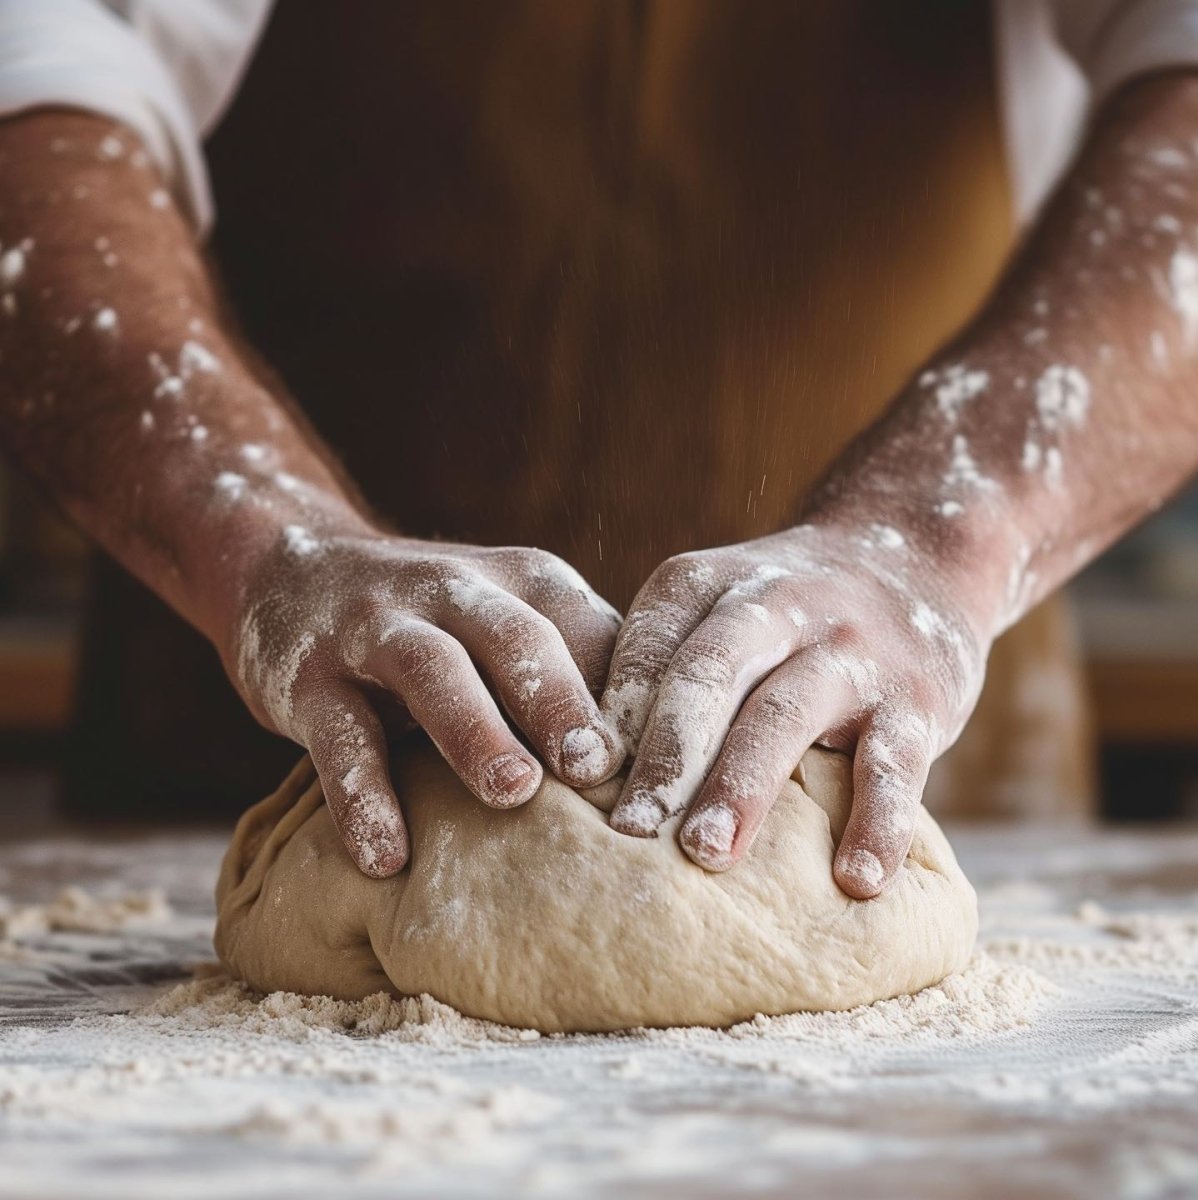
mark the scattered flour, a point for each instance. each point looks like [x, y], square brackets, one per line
[1073, 1017]
[75, 910]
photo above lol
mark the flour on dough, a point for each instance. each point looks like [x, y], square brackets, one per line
[544, 918]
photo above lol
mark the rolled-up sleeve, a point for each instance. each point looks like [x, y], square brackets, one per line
[1114, 41]
[1060, 59]
[165, 69]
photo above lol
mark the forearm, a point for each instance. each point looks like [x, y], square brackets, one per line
[122, 388]
[1069, 409]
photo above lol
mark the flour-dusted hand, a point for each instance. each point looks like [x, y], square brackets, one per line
[339, 632]
[161, 437]
[733, 662]
[1061, 416]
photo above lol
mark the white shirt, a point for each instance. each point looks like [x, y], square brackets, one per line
[169, 68]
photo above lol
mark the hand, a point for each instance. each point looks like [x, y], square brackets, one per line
[732, 662]
[336, 633]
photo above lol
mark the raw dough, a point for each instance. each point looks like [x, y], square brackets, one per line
[543, 917]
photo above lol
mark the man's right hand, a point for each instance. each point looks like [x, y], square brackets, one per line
[336, 634]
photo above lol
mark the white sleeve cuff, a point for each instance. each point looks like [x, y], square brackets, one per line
[78, 54]
[1136, 37]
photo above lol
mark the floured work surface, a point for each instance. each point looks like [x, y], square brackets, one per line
[1064, 1062]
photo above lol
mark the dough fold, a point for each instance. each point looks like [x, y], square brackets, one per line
[543, 917]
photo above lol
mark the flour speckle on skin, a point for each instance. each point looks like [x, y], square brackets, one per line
[1062, 398]
[231, 486]
[12, 265]
[299, 541]
[886, 536]
[1159, 350]
[528, 671]
[193, 359]
[1183, 290]
[1168, 157]
[963, 470]
[271, 674]
[955, 386]
[1054, 466]
[287, 482]
[926, 620]
[106, 321]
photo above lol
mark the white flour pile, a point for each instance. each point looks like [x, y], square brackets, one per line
[74, 910]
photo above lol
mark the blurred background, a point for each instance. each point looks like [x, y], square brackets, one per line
[1136, 613]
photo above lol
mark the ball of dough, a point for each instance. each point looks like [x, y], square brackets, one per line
[544, 917]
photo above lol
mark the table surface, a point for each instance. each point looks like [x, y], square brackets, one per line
[1094, 1093]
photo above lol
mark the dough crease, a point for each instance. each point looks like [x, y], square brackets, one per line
[543, 917]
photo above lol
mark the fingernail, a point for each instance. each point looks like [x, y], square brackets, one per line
[639, 815]
[373, 830]
[586, 756]
[707, 837]
[862, 869]
[380, 855]
[508, 777]
[385, 862]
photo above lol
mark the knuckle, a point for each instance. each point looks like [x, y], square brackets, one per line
[707, 661]
[427, 659]
[922, 693]
[782, 707]
[540, 562]
[847, 636]
[682, 574]
[530, 629]
[429, 576]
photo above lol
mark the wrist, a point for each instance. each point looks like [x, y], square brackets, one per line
[256, 544]
[973, 556]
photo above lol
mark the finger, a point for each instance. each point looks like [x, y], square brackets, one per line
[588, 624]
[777, 725]
[889, 774]
[349, 751]
[664, 614]
[704, 686]
[528, 664]
[433, 675]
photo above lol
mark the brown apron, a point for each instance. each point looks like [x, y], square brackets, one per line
[616, 278]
